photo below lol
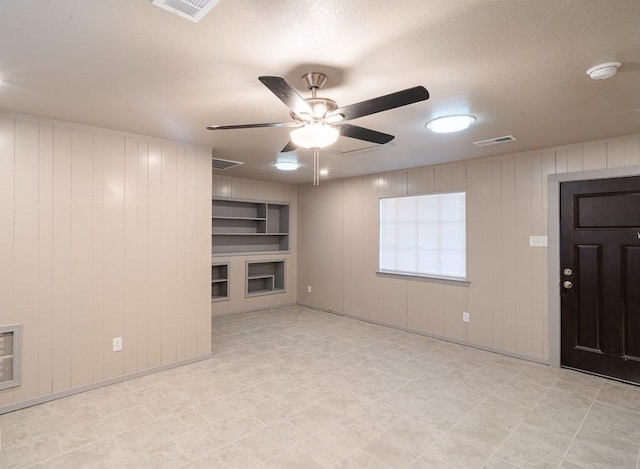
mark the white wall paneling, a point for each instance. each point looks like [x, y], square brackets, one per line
[99, 238]
[506, 203]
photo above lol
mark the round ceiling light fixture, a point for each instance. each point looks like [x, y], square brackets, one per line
[286, 165]
[604, 71]
[447, 124]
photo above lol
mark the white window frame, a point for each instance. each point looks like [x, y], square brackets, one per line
[426, 233]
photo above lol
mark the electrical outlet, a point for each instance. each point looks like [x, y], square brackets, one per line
[117, 344]
[308, 288]
[465, 317]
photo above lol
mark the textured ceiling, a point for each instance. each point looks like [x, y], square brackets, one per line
[518, 66]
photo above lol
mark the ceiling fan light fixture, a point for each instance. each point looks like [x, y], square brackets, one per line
[447, 124]
[315, 135]
[286, 165]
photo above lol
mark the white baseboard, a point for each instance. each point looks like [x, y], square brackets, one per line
[88, 387]
[433, 336]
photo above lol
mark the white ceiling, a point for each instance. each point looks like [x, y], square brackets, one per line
[518, 66]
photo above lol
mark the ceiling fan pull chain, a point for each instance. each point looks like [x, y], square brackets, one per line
[316, 168]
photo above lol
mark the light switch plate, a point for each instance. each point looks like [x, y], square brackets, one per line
[538, 241]
[117, 344]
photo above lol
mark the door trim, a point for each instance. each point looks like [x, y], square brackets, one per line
[553, 252]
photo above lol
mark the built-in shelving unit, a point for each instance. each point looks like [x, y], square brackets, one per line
[265, 277]
[220, 281]
[247, 227]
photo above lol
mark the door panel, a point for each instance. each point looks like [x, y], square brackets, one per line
[600, 244]
[631, 308]
[609, 210]
[589, 262]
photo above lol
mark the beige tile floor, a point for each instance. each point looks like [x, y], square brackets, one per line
[297, 388]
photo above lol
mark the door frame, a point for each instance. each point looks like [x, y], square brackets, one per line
[553, 251]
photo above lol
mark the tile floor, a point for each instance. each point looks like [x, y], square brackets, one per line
[297, 388]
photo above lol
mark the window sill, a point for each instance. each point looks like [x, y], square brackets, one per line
[425, 278]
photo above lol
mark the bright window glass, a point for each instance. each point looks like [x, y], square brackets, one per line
[424, 235]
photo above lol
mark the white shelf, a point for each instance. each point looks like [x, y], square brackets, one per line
[264, 291]
[238, 218]
[265, 277]
[256, 277]
[249, 234]
[248, 227]
[219, 281]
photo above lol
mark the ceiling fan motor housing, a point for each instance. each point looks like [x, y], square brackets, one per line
[314, 80]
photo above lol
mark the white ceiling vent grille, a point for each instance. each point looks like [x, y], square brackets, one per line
[495, 141]
[193, 10]
[220, 165]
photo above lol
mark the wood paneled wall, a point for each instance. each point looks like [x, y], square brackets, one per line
[102, 234]
[506, 203]
[238, 188]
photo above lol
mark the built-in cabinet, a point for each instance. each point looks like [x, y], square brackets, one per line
[249, 227]
[265, 277]
[220, 281]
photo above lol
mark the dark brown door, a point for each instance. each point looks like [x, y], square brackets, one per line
[600, 276]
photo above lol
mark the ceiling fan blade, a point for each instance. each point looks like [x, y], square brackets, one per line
[383, 103]
[253, 126]
[368, 135]
[285, 92]
[289, 147]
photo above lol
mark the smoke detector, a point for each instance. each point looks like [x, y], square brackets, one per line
[603, 71]
[192, 10]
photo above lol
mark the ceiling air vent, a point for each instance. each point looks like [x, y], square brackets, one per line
[193, 10]
[495, 141]
[220, 165]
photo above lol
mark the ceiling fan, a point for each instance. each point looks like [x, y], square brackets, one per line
[318, 122]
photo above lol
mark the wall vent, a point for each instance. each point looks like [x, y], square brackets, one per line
[10, 356]
[220, 165]
[495, 141]
[193, 10]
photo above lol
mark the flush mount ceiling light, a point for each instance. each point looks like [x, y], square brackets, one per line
[604, 71]
[443, 125]
[286, 165]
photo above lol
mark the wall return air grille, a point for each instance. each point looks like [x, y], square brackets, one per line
[10, 355]
[193, 10]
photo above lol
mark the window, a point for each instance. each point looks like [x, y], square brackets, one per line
[424, 235]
